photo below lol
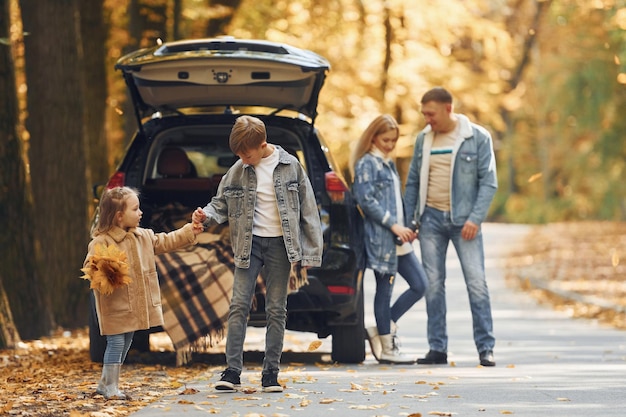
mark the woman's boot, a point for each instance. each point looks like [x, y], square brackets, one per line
[390, 352]
[109, 382]
[374, 339]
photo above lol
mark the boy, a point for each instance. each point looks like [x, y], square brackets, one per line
[269, 203]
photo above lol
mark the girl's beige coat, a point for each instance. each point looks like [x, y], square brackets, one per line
[137, 306]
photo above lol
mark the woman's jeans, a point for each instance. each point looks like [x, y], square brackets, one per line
[413, 273]
[436, 231]
[271, 253]
[117, 348]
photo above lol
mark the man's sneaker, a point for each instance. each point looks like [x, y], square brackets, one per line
[229, 382]
[434, 358]
[270, 383]
[486, 358]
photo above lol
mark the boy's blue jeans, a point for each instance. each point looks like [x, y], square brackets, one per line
[436, 231]
[413, 273]
[271, 253]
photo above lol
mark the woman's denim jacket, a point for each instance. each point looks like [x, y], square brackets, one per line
[374, 191]
[474, 180]
[297, 208]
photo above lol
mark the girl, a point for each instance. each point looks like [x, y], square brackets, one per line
[387, 241]
[121, 266]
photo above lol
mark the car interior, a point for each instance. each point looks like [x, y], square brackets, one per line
[185, 166]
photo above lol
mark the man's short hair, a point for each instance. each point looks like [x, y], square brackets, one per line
[438, 95]
[247, 133]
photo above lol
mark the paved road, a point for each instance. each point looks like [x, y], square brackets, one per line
[547, 365]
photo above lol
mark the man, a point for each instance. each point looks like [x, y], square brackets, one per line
[450, 186]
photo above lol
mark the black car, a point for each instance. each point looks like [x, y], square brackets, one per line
[187, 95]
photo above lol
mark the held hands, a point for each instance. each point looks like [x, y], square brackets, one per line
[197, 228]
[404, 234]
[197, 218]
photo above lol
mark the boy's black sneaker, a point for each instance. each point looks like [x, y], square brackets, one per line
[270, 383]
[229, 382]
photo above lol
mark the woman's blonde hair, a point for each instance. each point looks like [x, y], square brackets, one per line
[382, 124]
[113, 201]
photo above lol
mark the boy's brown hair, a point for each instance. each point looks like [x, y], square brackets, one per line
[248, 133]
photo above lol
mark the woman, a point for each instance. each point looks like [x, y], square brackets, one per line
[388, 241]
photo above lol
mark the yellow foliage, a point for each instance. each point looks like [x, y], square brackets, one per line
[107, 269]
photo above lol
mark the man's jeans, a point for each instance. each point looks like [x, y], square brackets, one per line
[436, 231]
[412, 271]
[269, 252]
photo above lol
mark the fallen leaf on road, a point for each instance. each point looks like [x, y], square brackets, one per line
[306, 380]
[185, 402]
[189, 391]
[330, 400]
[314, 345]
[292, 395]
[356, 387]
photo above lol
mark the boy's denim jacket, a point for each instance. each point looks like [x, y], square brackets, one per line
[374, 191]
[474, 181]
[297, 207]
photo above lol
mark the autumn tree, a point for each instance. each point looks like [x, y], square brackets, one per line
[19, 254]
[568, 142]
[93, 41]
[58, 149]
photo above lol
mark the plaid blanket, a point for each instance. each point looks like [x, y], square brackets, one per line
[196, 287]
[196, 284]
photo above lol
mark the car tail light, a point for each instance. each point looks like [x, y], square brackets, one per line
[340, 289]
[335, 187]
[116, 180]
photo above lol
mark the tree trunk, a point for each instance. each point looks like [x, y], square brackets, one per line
[147, 22]
[9, 336]
[176, 14]
[54, 74]
[94, 38]
[134, 36]
[18, 255]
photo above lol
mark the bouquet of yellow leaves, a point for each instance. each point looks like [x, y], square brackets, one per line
[107, 269]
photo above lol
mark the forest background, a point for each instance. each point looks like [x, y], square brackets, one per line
[546, 77]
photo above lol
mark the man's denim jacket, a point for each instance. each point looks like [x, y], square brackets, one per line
[474, 180]
[374, 191]
[297, 208]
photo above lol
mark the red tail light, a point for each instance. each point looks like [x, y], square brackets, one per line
[116, 180]
[335, 187]
[340, 289]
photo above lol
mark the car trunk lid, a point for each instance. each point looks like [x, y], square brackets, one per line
[223, 72]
